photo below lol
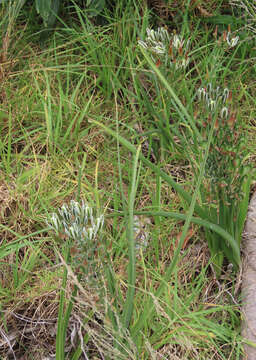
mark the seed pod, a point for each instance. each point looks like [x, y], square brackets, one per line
[224, 112]
[230, 96]
[232, 120]
[216, 125]
[215, 32]
[170, 50]
[158, 63]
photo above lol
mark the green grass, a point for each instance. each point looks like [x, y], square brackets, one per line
[88, 116]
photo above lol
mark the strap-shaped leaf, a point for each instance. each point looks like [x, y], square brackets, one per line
[43, 8]
[48, 10]
[54, 12]
[94, 7]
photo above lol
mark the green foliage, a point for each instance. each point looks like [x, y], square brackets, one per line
[94, 7]
[224, 191]
[67, 139]
[49, 9]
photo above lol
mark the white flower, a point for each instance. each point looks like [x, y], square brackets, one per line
[77, 222]
[225, 95]
[159, 49]
[151, 34]
[224, 112]
[217, 91]
[211, 104]
[143, 44]
[160, 35]
[201, 93]
[91, 233]
[99, 223]
[177, 41]
[170, 49]
[232, 41]
[163, 35]
[74, 231]
[213, 97]
[55, 223]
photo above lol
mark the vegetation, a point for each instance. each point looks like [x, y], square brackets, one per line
[127, 159]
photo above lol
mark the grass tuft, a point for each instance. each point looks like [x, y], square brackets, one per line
[87, 115]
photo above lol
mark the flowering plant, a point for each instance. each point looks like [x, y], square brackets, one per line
[80, 227]
[226, 150]
[225, 186]
[228, 38]
[226, 173]
[168, 50]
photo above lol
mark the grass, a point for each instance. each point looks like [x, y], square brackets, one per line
[87, 116]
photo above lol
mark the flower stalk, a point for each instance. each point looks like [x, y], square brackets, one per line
[225, 171]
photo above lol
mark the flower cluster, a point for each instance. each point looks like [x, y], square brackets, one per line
[168, 50]
[224, 163]
[230, 39]
[214, 98]
[227, 37]
[80, 227]
[73, 220]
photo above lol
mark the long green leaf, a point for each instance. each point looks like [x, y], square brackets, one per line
[48, 9]
[128, 307]
[206, 224]
[182, 108]
[148, 308]
[62, 320]
[198, 209]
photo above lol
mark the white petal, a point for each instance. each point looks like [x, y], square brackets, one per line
[142, 44]
[225, 95]
[224, 112]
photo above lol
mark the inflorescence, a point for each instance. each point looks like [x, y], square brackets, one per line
[213, 98]
[223, 167]
[168, 50]
[78, 224]
[74, 219]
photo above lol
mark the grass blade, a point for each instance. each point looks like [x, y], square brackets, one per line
[198, 209]
[182, 108]
[128, 307]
